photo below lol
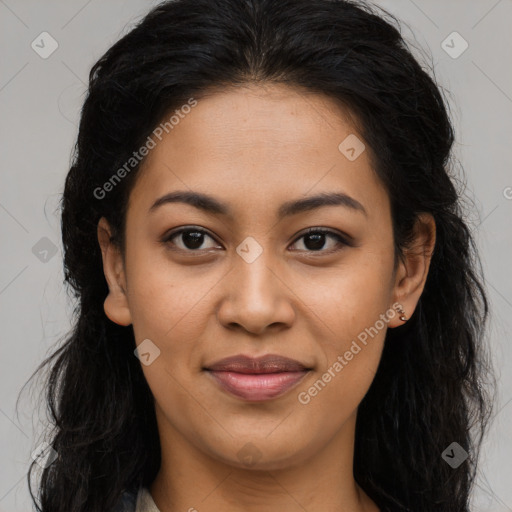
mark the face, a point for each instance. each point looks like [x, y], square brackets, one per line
[259, 268]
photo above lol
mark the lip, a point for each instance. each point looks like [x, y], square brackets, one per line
[257, 379]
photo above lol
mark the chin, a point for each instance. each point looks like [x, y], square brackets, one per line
[260, 455]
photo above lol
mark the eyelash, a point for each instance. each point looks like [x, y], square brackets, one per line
[342, 241]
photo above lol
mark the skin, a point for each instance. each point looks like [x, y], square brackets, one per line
[255, 148]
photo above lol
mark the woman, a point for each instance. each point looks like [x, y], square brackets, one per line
[279, 302]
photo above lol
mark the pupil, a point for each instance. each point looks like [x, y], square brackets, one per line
[192, 239]
[318, 241]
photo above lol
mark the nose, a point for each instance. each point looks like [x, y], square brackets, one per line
[256, 298]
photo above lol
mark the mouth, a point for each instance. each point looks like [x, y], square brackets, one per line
[257, 379]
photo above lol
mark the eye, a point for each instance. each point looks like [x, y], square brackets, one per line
[192, 239]
[315, 240]
[189, 239]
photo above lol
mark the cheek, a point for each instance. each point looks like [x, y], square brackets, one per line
[352, 296]
[163, 298]
[351, 357]
[335, 394]
[354, 306]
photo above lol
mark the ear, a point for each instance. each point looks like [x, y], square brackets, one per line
[116, 304]
[412, 271]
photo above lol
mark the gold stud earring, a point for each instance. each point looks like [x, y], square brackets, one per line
[401, 312]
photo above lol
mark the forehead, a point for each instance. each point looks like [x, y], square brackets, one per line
[255, 146]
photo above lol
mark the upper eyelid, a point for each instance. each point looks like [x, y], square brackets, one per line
[179, 231]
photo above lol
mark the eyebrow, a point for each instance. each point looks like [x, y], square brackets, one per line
[211, 205]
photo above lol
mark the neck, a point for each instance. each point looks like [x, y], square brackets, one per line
[190, 479]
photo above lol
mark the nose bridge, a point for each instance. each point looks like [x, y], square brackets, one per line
[257, 296]
[255, 281]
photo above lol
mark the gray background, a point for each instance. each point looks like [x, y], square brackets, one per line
[39, 105]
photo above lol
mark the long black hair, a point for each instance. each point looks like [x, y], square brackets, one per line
[431, 386]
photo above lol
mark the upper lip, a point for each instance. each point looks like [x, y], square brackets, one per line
[270, 363]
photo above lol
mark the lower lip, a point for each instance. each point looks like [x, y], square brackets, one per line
[257, 387]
